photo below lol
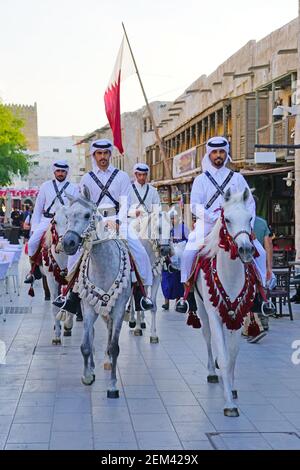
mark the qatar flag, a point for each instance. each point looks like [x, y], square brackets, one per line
[112, 95]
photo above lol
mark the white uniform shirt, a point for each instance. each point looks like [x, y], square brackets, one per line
[120, 190]
[151, 202]
[203, 190]
[45, 197]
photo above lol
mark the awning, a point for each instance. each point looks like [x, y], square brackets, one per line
[266, 171]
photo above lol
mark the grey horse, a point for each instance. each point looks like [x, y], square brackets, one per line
[104, 282]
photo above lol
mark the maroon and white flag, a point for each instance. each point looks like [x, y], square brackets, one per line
[112, 96]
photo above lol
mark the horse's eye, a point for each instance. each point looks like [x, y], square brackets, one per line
[227, 221]
[87, 215]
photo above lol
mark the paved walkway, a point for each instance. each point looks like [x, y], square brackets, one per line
[165, 401]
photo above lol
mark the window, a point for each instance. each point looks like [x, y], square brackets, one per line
[56, 150]
[68, 150]
[145, 125]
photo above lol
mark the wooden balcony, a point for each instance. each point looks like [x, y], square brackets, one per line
[280, 133]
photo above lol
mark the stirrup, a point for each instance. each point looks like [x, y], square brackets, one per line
[146, 304]
[182, 306]
[268, 309]
[60, 301]
[29, 279]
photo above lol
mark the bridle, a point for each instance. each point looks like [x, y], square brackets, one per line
[228, 242]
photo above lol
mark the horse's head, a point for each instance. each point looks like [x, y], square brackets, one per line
[80, 216]
[236, 220]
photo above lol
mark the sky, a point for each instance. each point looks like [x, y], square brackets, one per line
[61, 53]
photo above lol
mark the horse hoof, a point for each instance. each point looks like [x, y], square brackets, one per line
[132, 324]
[154, 340]
[67, 332]
[56, 341]
[234, 394]
[143, 325]
[112, 393]
[138, 333]
[212, 379]
[107, 366]
[231, 412]
[88, 380]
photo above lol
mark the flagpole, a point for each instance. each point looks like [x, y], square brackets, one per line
[155, 128]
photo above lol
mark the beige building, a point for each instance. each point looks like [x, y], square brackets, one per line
[250, 99]
[28, 114]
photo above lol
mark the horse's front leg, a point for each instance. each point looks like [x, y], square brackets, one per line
[218, 337]
[107, 357]
[132, 322]
[138, 328]
[86, 347]
[233, 341]
[212, 376]
[114, 350]
[53, 287]
[154, 289]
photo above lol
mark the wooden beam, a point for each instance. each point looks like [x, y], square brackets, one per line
[228, 74]
[195, 90]
[217, 83]
[179, 102]
[258, 67]
[243, 74]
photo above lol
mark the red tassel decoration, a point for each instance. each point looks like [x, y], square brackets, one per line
[193, 320]
[31, 292]
[253, 329]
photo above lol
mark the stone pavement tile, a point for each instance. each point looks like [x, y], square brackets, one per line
[293, 418]
[32, 446]
[195, 379]
[10, 380]
[41, 385]
[261, 412]
[5, 423]
[151, 405]
[137, 379]
[99, 445]
[197, 445]
[141, 391]
[15, 370]
[160, 364]
[171, 385]
[151, 422]
[286, 405]
[207, 390]
[34, 414]
[166, 374]
[293, 384]
[29, 433]
[100, 399]
[35, 373]
[280, 441]
[223, 423]
[274, 426]
[64, 422]
[3, 438]
[158, 440]
[11, 392]
[37, 399]
[8, 407]
[213, 405]
[73, 405]
[114, 432]
[178, 398]
[103, 414]
[239, 442]
[186, 414]
[194, 431]
[76, 440]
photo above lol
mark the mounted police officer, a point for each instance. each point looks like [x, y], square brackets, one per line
[51, 195]
[207, 197]
[145, 197]
[110, 190]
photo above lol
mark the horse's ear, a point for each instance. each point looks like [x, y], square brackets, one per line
[227, 195]
[70, 197]
[86, 192]
[246, 194]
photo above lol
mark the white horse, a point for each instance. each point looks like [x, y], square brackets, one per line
[54, 267]
[224, 290]
[104, 282]
[154, 233]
